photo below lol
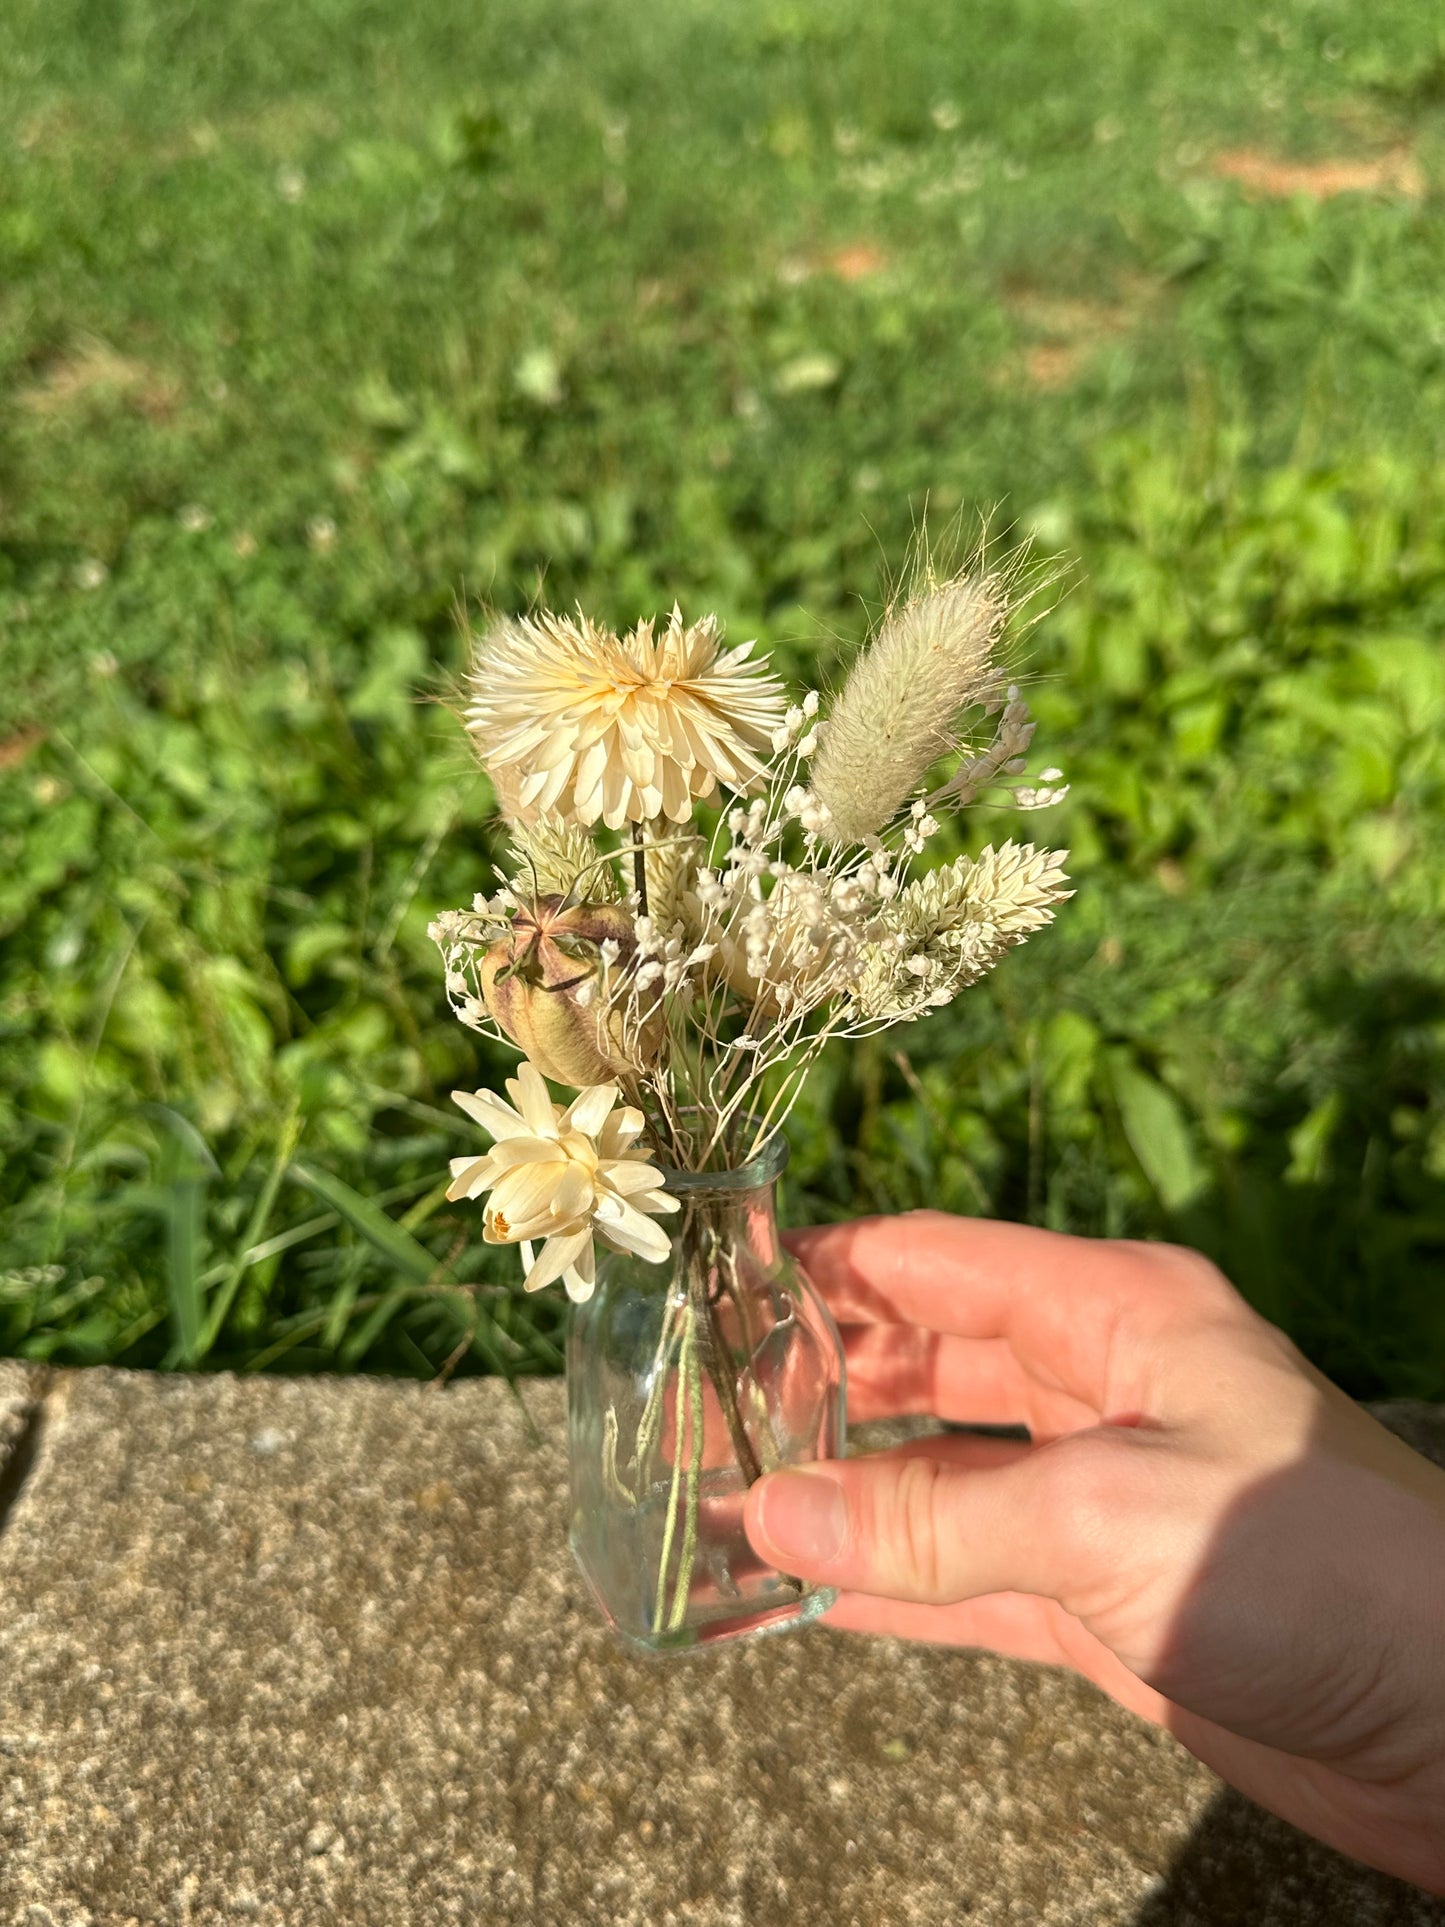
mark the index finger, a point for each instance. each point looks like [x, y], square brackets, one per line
[1055, 1300]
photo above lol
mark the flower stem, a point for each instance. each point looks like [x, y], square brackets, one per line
[723, 1382]
[686, 1366]
[694, 1470]
[652, 1411]
[639, 867]
[701, 1347]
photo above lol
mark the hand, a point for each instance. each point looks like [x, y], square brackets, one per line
[1202, 1525]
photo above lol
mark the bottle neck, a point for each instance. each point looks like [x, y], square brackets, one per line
[739, 1207]
[742, 1220]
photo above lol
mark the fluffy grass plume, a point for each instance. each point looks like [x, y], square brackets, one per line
[897, 713]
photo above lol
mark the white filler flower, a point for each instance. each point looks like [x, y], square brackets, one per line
[597, 727]
[561, 1176]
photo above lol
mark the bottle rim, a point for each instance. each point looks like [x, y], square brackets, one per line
[765, 1167]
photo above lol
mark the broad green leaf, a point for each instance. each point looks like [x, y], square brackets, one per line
[184, 1168]
[1309, 1142]
[1068, 1047]
[1158, 1134]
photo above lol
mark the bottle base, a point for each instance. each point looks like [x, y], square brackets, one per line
[758, 1621]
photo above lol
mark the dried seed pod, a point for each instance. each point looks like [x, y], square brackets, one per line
[542, 983]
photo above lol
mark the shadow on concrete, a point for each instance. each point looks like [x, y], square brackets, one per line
[1243, 1868]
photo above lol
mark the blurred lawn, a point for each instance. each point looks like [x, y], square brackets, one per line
[314, 319]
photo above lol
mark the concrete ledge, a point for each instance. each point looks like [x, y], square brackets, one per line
[1421, 1426]
[296, 1651]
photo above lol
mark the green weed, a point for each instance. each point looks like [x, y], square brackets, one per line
[314, 321]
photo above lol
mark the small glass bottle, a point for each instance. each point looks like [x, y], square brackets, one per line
[686, 1381]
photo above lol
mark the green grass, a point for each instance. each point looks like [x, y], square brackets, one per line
[313, 321]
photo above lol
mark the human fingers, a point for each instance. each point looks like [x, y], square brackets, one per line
[896, 1371]
[1060, 1304]
[963, 1451]
[910, 1525]
[1016, 1625]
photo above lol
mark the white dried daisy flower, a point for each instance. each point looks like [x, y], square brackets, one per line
[944, 930]
[564, 1177]
[619, 729]
[898, 711]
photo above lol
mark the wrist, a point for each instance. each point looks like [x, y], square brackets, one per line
[1399, 1768]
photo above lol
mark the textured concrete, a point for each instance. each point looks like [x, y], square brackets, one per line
[312, 1651]
[1421, 1426]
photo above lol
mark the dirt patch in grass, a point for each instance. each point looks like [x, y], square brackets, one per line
[1054, 365]
[1060, 335]
[852, 261]
[857, 262]
[14, 749]
[1269, 177]
[92, 372]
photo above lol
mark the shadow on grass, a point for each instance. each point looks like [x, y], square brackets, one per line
[1331, 1217]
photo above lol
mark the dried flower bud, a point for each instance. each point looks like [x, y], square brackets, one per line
[540, 985]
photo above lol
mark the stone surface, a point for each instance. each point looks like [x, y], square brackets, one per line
[1419, 1425]
[305, 1651]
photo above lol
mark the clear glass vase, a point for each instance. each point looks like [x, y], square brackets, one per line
[685, 1383]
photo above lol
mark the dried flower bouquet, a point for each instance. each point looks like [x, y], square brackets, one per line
[706, 883]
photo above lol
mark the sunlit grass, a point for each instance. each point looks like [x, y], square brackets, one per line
[312, 321]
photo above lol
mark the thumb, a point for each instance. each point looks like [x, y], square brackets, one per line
[934, 1522]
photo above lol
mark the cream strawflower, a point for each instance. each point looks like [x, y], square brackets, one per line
[619, 729]
[561, 1176]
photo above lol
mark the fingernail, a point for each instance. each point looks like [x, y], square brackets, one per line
[805, 1515]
